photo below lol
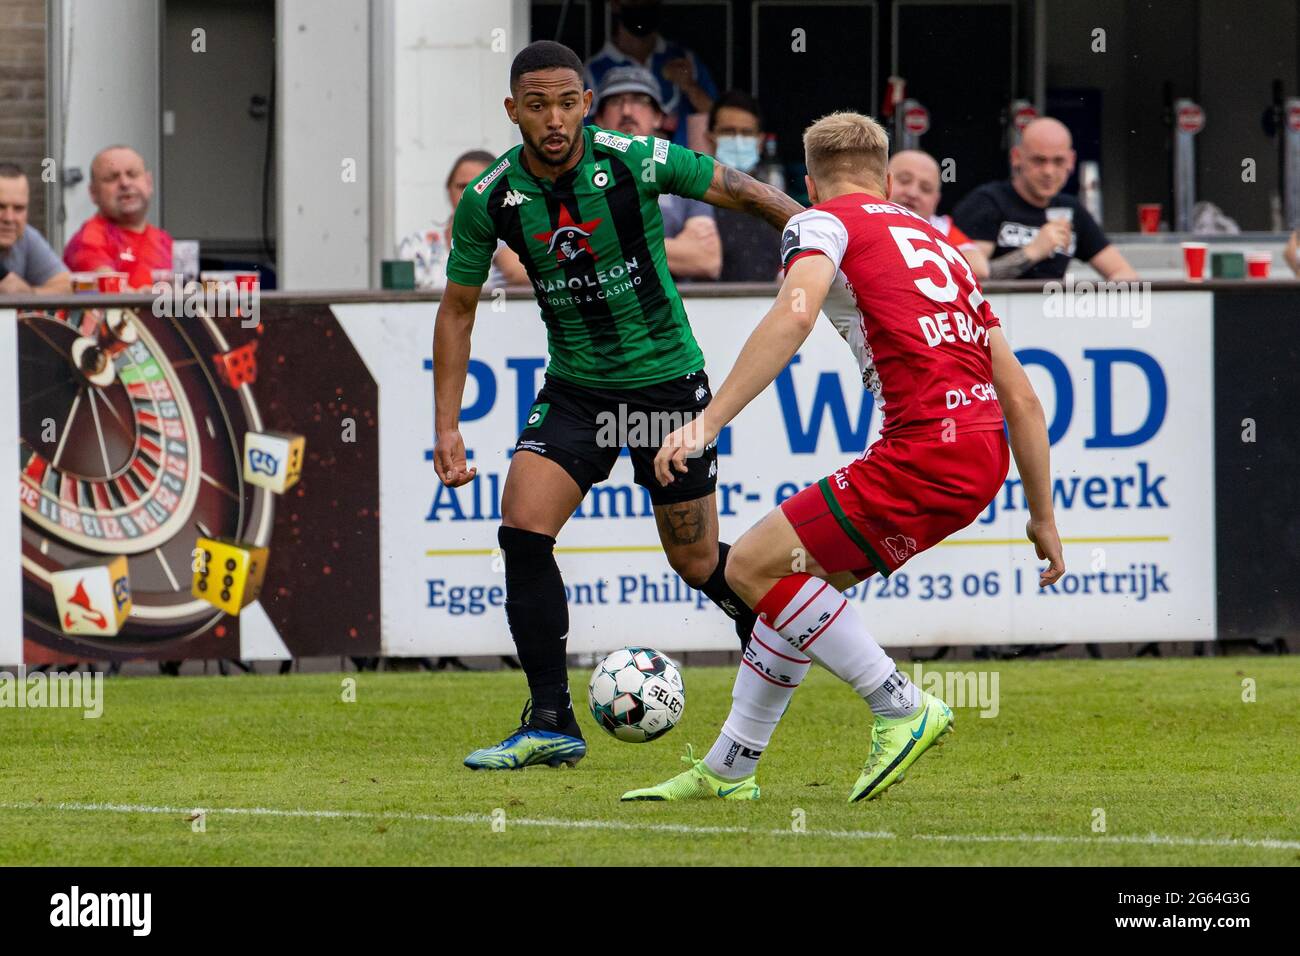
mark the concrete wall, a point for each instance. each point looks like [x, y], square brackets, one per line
[323, 124]
[110, 88]
[450, 75]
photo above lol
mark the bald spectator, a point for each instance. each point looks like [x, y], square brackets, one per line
[915, 186]
[119, 238]
[27, 263]
[628, 101]
[1010, 220]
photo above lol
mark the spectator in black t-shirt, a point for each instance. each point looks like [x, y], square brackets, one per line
[751, 249]
[1026, 226]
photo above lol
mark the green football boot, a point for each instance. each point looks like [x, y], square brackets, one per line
[529, 746]
[697, 782]
[897, 743]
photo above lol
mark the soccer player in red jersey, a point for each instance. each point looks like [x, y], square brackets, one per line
[944, 377]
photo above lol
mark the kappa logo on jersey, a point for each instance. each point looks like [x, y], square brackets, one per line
[515, 198]
[568, 240]
[491, 177]
[900, 546]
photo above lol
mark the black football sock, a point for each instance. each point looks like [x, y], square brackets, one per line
[717, 590]
[539, 623]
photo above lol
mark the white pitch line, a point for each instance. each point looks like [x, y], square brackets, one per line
[1152, 839]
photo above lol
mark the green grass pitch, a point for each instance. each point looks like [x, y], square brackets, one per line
[1185, 772]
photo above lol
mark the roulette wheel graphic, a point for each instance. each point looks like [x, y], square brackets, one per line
[130, 444]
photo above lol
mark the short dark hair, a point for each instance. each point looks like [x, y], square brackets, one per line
[738, 100]
[543, 55]
[11, 171]
[469, 156]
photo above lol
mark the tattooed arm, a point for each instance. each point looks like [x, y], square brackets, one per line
[732, 189]
[1010, 266]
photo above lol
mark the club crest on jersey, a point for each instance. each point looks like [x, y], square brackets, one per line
[600, 179]
[568, 240]
[789, 241]
[900, 546]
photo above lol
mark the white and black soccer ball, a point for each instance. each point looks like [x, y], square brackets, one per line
[636, 694]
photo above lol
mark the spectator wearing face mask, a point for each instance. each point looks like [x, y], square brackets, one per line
[751, 249]
[686, 88]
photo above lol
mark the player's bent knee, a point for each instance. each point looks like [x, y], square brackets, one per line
[744, 567]
[694, 568]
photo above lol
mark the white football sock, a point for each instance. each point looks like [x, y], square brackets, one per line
[769, 674]
[896, 697]
[815, 620]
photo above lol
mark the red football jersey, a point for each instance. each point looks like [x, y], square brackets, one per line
[100, 243]
[910, 309]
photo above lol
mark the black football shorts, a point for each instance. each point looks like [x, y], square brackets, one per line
[583, 429]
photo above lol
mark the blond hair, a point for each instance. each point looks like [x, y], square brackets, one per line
[846, 146]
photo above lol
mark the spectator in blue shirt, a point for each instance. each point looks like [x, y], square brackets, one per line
[686, 89]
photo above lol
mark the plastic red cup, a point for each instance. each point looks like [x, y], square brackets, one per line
[1194, 259]
[1149, 216]
[246, 287]
[111, 281]
[1258, 264]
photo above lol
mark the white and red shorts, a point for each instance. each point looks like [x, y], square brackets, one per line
[901, 498]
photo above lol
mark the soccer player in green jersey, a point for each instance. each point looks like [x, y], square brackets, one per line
[579, 205]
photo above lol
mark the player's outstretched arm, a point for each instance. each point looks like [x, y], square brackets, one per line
[732, 189]
[451, 333]
[1028, 428]
[768, 350]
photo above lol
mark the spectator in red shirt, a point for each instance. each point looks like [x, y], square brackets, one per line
[119, 238]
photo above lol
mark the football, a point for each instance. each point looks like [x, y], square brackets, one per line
[636, 694]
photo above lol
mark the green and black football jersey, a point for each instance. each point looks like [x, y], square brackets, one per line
[593, 245]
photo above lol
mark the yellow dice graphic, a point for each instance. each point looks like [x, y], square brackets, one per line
[273, 460]
[228, 574]
[93, 597]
